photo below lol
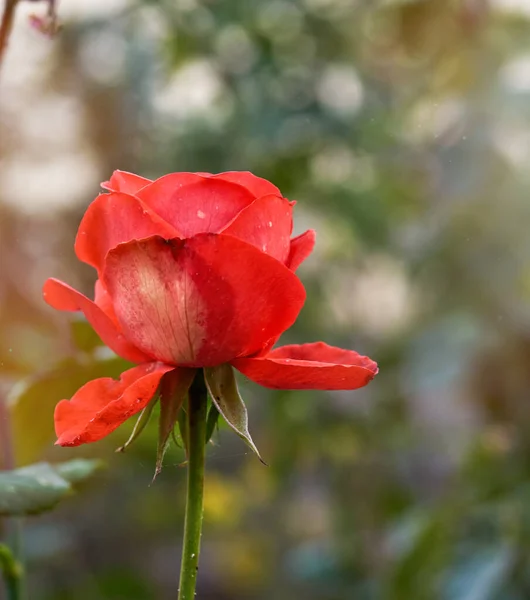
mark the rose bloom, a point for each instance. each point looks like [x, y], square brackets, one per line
[194, 270]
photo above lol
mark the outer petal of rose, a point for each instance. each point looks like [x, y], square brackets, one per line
[309, 366]
[111, 220]
[255, 185]
[301, 248]
[200, 302]
[122, 181]
[195, 203]
[102, 405]
[266, 224]
[61, 296]
[104, 301]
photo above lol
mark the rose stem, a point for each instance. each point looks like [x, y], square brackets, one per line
[196, 416]
[13, 574]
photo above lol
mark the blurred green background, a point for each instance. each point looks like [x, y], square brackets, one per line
[402, 128]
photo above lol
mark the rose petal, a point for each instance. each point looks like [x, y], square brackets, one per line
[102, 405]
[267, 224]
[129, 183]
[202, 301]
[301, 248]
[113, 219]
[104, 301]
[122, 181]
[255, 185]
[309, 366]
[61, 296]
[195, 203]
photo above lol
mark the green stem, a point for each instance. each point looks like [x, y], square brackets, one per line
[196, 416]
[12, 571]
[10, 565]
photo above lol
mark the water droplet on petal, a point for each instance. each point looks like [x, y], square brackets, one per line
[200, 214]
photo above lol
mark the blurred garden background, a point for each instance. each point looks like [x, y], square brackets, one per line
[402, 128]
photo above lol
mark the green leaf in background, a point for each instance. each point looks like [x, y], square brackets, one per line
[83, 336]
[40, 487]
[78, 470]
[32, 402]
[8, 563]
[222, 386]
[482, 575]
[421, 542]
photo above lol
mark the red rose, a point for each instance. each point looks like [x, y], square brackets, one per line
[194, 270]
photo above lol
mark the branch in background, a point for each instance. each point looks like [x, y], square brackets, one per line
[48, 25]
[6, 25]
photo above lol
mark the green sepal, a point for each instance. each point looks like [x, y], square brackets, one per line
[182, 422]
[222, 386]
[173, 390]
[211, 421]
[140, 425]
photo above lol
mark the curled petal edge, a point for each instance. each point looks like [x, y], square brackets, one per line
[102, 405]
[301, 248]
[309, 366]
[123, 181]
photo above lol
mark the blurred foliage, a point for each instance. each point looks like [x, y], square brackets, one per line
[33, 399]
[402, 129]
[40, 487]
